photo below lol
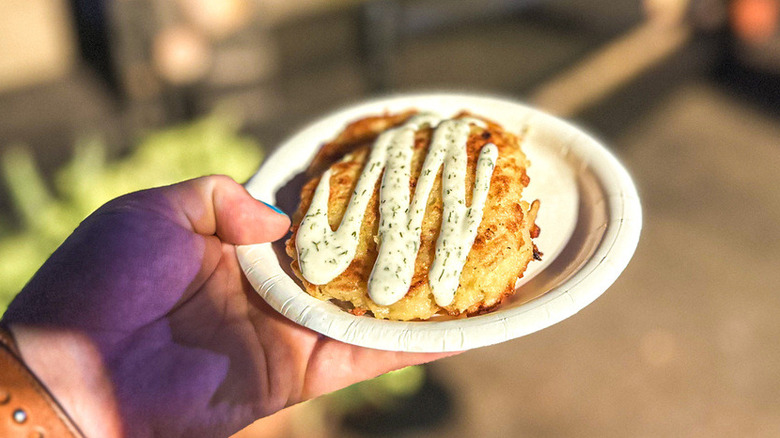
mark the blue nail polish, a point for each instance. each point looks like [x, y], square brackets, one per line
[274, 208]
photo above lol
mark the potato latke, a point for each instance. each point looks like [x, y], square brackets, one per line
[502, 249]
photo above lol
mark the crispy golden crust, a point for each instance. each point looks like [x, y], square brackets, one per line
[502, 249]
[354, 135]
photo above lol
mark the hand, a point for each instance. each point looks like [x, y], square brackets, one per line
[143, 324]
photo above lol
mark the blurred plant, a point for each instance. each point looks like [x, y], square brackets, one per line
[47, 216]
[323, 417]
[382, 392]
[398, 403]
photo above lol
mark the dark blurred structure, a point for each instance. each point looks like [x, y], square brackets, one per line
[280, 63]
[751, 51]
[145, 63]
[93, 36]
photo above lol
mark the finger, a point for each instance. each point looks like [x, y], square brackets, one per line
[217, 205]
[335, 365]
[376, 362]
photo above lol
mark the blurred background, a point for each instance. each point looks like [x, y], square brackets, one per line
[102, 97]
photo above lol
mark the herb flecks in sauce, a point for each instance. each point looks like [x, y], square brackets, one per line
[401, 218]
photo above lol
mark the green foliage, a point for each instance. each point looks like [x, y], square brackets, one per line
[381, 392]
[48, 215]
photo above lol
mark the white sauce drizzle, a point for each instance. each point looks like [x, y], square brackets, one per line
[323, 254]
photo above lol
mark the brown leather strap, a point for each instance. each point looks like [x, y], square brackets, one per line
[26, 407]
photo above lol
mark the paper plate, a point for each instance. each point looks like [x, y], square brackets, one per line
[590, 218]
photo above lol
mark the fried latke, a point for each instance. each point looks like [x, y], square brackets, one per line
[502, 249]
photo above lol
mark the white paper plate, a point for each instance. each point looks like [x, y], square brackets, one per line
[590, 218]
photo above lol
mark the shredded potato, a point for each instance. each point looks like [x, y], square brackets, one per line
[502, 249]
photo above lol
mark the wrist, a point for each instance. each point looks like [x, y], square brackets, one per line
[69, 366]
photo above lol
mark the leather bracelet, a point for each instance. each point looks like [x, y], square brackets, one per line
[27, 409]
